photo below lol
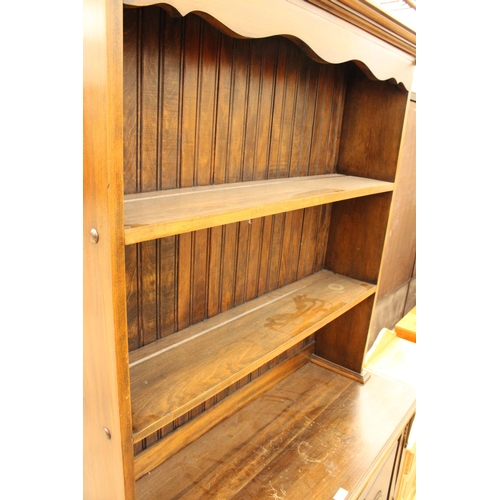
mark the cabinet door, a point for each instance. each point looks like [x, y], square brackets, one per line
[379, 487]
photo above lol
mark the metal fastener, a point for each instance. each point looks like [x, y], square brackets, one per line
[94, 235]
[106, 431]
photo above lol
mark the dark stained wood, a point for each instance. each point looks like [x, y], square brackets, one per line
[396, 292]
[204, 108]
[198, 275]
[372, 127]
[313, 433]
[164, 213]
[169, 377]
[154, 456]
[343, 341]
[356, 237]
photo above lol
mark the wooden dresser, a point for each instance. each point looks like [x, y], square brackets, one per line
[239, 164]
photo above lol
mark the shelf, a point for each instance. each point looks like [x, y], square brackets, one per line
[310, 435]
[159, 214]
[172, 376]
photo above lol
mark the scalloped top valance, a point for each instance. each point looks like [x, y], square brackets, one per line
[333, 31]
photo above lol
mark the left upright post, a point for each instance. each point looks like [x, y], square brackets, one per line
[108, 450]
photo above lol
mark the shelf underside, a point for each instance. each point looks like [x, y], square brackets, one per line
[164, 213]
[172, 376]
[311, 434]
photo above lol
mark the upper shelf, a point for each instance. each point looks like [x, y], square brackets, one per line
[159, 214]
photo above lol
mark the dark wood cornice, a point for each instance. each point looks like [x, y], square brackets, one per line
[370, 18]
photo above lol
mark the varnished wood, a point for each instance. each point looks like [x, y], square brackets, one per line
[203, 108]
[372, 128]
[313, 433]
[107, 457]
[362, 377]
[327, 37]
[157, 454]
[356, 236]
[196, 276]
[396, 292]
[214, 98]
[343, 341]
[169, 377]
[406, 328]
[372, 19]
[164, 213]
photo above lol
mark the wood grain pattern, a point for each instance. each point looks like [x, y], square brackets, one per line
[107, 463]
[356, 236]
[203, 108]
[325, 37]
[372, 127]
[343, 341]
[311, 434]
[164, 213]
[201, 274]
[174, 442]
[168, 377]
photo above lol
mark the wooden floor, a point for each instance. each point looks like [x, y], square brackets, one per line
[310, 435]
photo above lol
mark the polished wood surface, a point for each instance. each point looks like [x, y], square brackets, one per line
[178, 281]
[165, 213]
[183, 324]
[203, 108]
[169, 377]
[313, 433]
[396, 293]
[406, 327]
[189, 432]
[373, 20]
[324, 36]
[107, 454]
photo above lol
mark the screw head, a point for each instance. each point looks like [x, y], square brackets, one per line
[94, 235]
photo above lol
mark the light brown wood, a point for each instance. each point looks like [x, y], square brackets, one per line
[164, 213]
[313, 433]
[406, 327]
[173, 375]
[372, 19]
[152, 457]
[107, 456]
[324, 36]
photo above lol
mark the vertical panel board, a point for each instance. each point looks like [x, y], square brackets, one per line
[224, 99]
[132, 297]
[167, 286]
[172, 95]
[372, 127]
[214, 271]
[343, 341]
[356, 236]
[244, 229]
[254, 256]
[189, 121]
[108, 469]
[131, 47]
[199, 276]
[206, 112]
[238, 109]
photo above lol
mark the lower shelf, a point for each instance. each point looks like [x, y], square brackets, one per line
[310, 435]
[173, 375]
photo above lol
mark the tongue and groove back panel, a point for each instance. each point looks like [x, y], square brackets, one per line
[204, 108]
